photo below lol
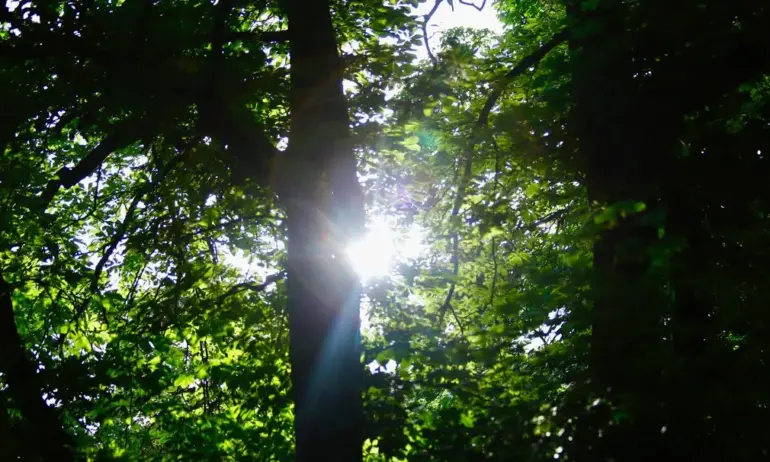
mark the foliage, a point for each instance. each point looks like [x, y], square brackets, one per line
[594, 242]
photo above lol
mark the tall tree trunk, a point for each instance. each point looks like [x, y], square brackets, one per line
[629, 128]
[325, 210]
[47, 440]
[620, 147]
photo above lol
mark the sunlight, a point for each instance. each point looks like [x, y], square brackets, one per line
[374, 255]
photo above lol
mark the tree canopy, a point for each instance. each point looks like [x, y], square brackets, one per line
[271, 230]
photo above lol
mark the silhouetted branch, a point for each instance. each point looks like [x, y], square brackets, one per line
[425, 20]
[67, 178]
[121, 232]
[481, 123]
[527, 62]
[269, 280]
[466, 3]
[555, 215]
[249, 146]
[273, 36]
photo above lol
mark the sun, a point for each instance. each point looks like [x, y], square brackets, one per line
[373, 254]
[381, 247]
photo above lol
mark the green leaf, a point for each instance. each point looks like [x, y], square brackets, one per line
[184, 381]
[467, 419]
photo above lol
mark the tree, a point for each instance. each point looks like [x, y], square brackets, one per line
[633, 102]
[153, 148]
[583, 194]
[325, 209]
[639, 337]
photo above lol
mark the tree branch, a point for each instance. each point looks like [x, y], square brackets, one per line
[269, 280]
[479, 8]
[67, 178]
[425, 20]
[250, 148]
[527, 62]
[448, 306]
[481, 123]
[270, 36]
[121, 232]
[455, 235]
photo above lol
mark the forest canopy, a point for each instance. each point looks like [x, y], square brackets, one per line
[282, 230]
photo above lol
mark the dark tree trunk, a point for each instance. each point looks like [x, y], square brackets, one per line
[45, 439]
[629, 124]
[325, 209]
[620, 148]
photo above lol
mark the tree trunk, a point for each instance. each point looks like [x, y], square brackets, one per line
[325, 210]
[47, 440]
[621, 146]
[629, 128]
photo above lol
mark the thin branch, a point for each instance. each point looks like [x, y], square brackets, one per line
[269, 280]
[491, 302]
[96, 187]
[135, 284]
[249, 146]
[425, 20]
[459, 323]
[211, 87]
[455, 235]
[67, 178]
[447, 303]
[121, 232]
[493, 245]
[225, 225]
[127, 220]
[270, 36]
[526, 63]
[555, 215]
[479, 8]
[455, 270]
[481, 123]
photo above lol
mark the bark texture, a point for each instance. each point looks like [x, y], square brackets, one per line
[325, 210]
[632, 95]
[24, 387]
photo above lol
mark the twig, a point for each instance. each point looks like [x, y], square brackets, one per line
[132, 292]
[98, 184]
[67, 178]
[269, 280]
[479, 8]
[492, 289]
[129, 216]
[224, 225]
[425, 20]
[529, 61]
[464, 182]
[459, 323]
[271, 36]
[481, 124]
[555, 215]
[493, 245]
[135, 284]
[120, 234]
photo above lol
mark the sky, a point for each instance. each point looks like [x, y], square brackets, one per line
[373, 260]
[375, 255]
[462, 16]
